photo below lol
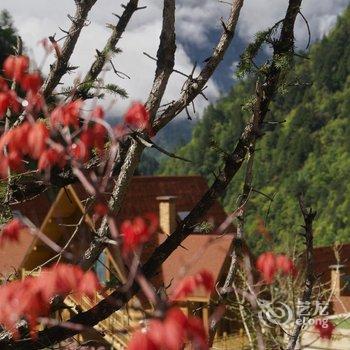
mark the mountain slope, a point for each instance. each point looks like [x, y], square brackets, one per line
[309, 152]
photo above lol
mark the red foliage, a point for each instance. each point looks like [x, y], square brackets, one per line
[37, 138]
[46, 45]
[285, 265]
[11, 230]
[138, 231]
[3, 85]
[8, 99]
[28, 140]
[15, 67]
[35, 101]
[98, 112]
[137, 116]
[67, 114]
[51, 157]
[100, 209]
[268, 264]
[189, 284]
[325, 328]
[170, 333]
[31, 82]
[31, 297]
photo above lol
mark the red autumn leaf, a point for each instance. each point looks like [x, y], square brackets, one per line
[98, 112]
[15, 67]
[100, 209]
[4, 103]
[325, 328]
[266, 265]
[197, 333]
[99, 134]
[189, 284]
[15, 161]
[35, 101]
[285, 265]
[31, 297]
[16, 139]
[170, 333]
[175, 329]
[31, 82]
[3, 85]
[52, 157]
[9, 100]
[67, 114]
[79, 151]
[89, 284]
[141, 340]
[38, 136]
[11, 231]
[137, 116]
[138, 231]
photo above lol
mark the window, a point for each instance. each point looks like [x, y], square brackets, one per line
[101, 268]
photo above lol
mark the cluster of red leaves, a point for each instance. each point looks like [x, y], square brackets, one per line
[94, 136]
[10, 231]
[203, 279]
[29, 140]
[30, 298]
[16, 69]
[325, 328]
[33, 140]
[67, 114]
[170, 333]
[8, 99]
[100, 210]
[137, 116]
[269, 264]
[138, 231]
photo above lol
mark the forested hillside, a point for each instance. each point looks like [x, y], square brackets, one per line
[306, 147]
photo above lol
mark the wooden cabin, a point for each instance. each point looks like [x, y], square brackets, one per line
[58, 212]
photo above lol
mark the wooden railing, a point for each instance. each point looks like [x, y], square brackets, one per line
[114, 328]
[230, 341]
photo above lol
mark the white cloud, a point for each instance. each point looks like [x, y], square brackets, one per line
[38, 20]
[262, 14]
[196, 19]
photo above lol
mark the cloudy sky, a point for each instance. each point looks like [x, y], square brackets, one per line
[198, 25]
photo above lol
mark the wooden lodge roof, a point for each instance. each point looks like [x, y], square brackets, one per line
[198, 251]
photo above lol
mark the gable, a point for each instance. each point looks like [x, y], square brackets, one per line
[140, 199]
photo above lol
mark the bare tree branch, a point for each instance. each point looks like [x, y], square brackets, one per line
[309, 217]
[195, 85]
[59, 68]
[104, 55]
[165, 58]
[165, 64]
[233, 162]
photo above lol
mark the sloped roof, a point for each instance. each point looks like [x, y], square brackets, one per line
[324, 257]
[197, 252]
[143, 191]
[141, 198]
[12, 254]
